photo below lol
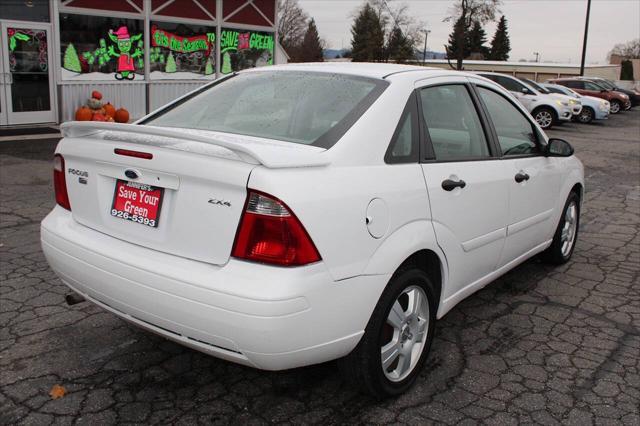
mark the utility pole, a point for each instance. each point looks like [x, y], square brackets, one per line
[424, 52]
[537, 56]
[584, 43]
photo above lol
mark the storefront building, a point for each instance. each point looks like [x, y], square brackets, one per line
[140, 54]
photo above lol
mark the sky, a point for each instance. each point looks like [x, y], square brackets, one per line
[554, 28]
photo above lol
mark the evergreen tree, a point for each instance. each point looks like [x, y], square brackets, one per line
[476, 38]
[311, 48]
[500, 45]
[367, 31]
[171, 64]
[226, 63]
[208, 67]
[71, 60]
[458, 41]
[399, 47]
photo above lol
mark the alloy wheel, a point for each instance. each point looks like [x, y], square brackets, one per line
[615, 107]
[544, 119]
[568, 234]
[585, 116]
[404, 335]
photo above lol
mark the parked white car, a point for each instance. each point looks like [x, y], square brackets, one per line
[547, 110]
[592, 108]
[574, 103]
[295, 214]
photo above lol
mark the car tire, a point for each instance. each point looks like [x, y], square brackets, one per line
[616, 106]
[586, 115]
[545, 117]
[401, 326]
[566, 235]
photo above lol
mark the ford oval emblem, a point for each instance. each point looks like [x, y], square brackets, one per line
[132, 174]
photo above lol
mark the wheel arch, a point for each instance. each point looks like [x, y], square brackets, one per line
[414, 243]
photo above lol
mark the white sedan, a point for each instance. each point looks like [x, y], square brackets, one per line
[296, 214]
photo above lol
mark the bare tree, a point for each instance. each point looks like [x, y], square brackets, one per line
[292, 25]
[628, 50]
[466, 12]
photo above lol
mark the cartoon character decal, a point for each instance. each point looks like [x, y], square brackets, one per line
[126, 67]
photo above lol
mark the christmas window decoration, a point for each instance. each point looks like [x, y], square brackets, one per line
[101, 48]
[240, 49]
[182, 51]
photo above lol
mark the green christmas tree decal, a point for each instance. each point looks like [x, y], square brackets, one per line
[171, 64]
[226, 63]
[71, 61]
[208, 68]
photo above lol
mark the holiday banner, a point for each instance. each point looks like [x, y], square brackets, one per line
[176, 43]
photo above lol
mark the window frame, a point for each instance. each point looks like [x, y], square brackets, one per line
[427, 153]
[410, 109]
[494, 133]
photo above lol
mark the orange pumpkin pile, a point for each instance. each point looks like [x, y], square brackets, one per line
[95, 110]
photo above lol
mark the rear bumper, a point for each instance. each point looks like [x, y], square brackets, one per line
[266, 317]
[601, 115]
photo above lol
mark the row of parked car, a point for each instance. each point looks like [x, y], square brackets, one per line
[559, 100]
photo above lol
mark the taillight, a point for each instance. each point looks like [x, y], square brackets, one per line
[270, 233]
[60, 183]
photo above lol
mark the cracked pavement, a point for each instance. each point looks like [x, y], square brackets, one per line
[541, 345]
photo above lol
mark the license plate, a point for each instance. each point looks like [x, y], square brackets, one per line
[137, 202]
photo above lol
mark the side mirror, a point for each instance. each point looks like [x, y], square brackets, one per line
[526, 91]
[558, 148]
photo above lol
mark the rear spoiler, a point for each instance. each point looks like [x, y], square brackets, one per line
[269, 153]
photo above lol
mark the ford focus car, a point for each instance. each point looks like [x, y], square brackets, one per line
[296, 214]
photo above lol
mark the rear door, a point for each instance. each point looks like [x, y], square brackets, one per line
[467, 183]
[534, 180]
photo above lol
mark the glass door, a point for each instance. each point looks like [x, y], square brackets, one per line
[3, 84]
[26, 77]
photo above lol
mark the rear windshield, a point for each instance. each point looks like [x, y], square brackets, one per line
[310, 108]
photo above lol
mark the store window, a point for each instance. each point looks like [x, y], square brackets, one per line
[240, 49]
[182, 51]
[101, 48]
[25, 10]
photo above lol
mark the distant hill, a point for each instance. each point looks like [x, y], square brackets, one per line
[334, 53]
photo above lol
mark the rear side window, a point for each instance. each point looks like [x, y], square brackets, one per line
[453, 125]
[574, 84]
[404, 143]
[510, 84]
[310, 108]
[516, 134]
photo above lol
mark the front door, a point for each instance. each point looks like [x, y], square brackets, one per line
[467, 184]
[534, 180]
[27, 86]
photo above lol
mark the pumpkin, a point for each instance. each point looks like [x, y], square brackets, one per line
[99, 117]
[83, 113]
[122, 116]
[96, 94]
[110, 119]
[109, 110]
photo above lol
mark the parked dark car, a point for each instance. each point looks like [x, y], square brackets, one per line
[618, 100]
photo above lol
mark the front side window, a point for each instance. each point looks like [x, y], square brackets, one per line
[516, 134]
[592, 86]
[452, 123]
[309, 108]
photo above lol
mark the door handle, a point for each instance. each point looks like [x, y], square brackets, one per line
[521, 176]
[450, 185]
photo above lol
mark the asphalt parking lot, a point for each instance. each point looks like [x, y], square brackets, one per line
[542, 344]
